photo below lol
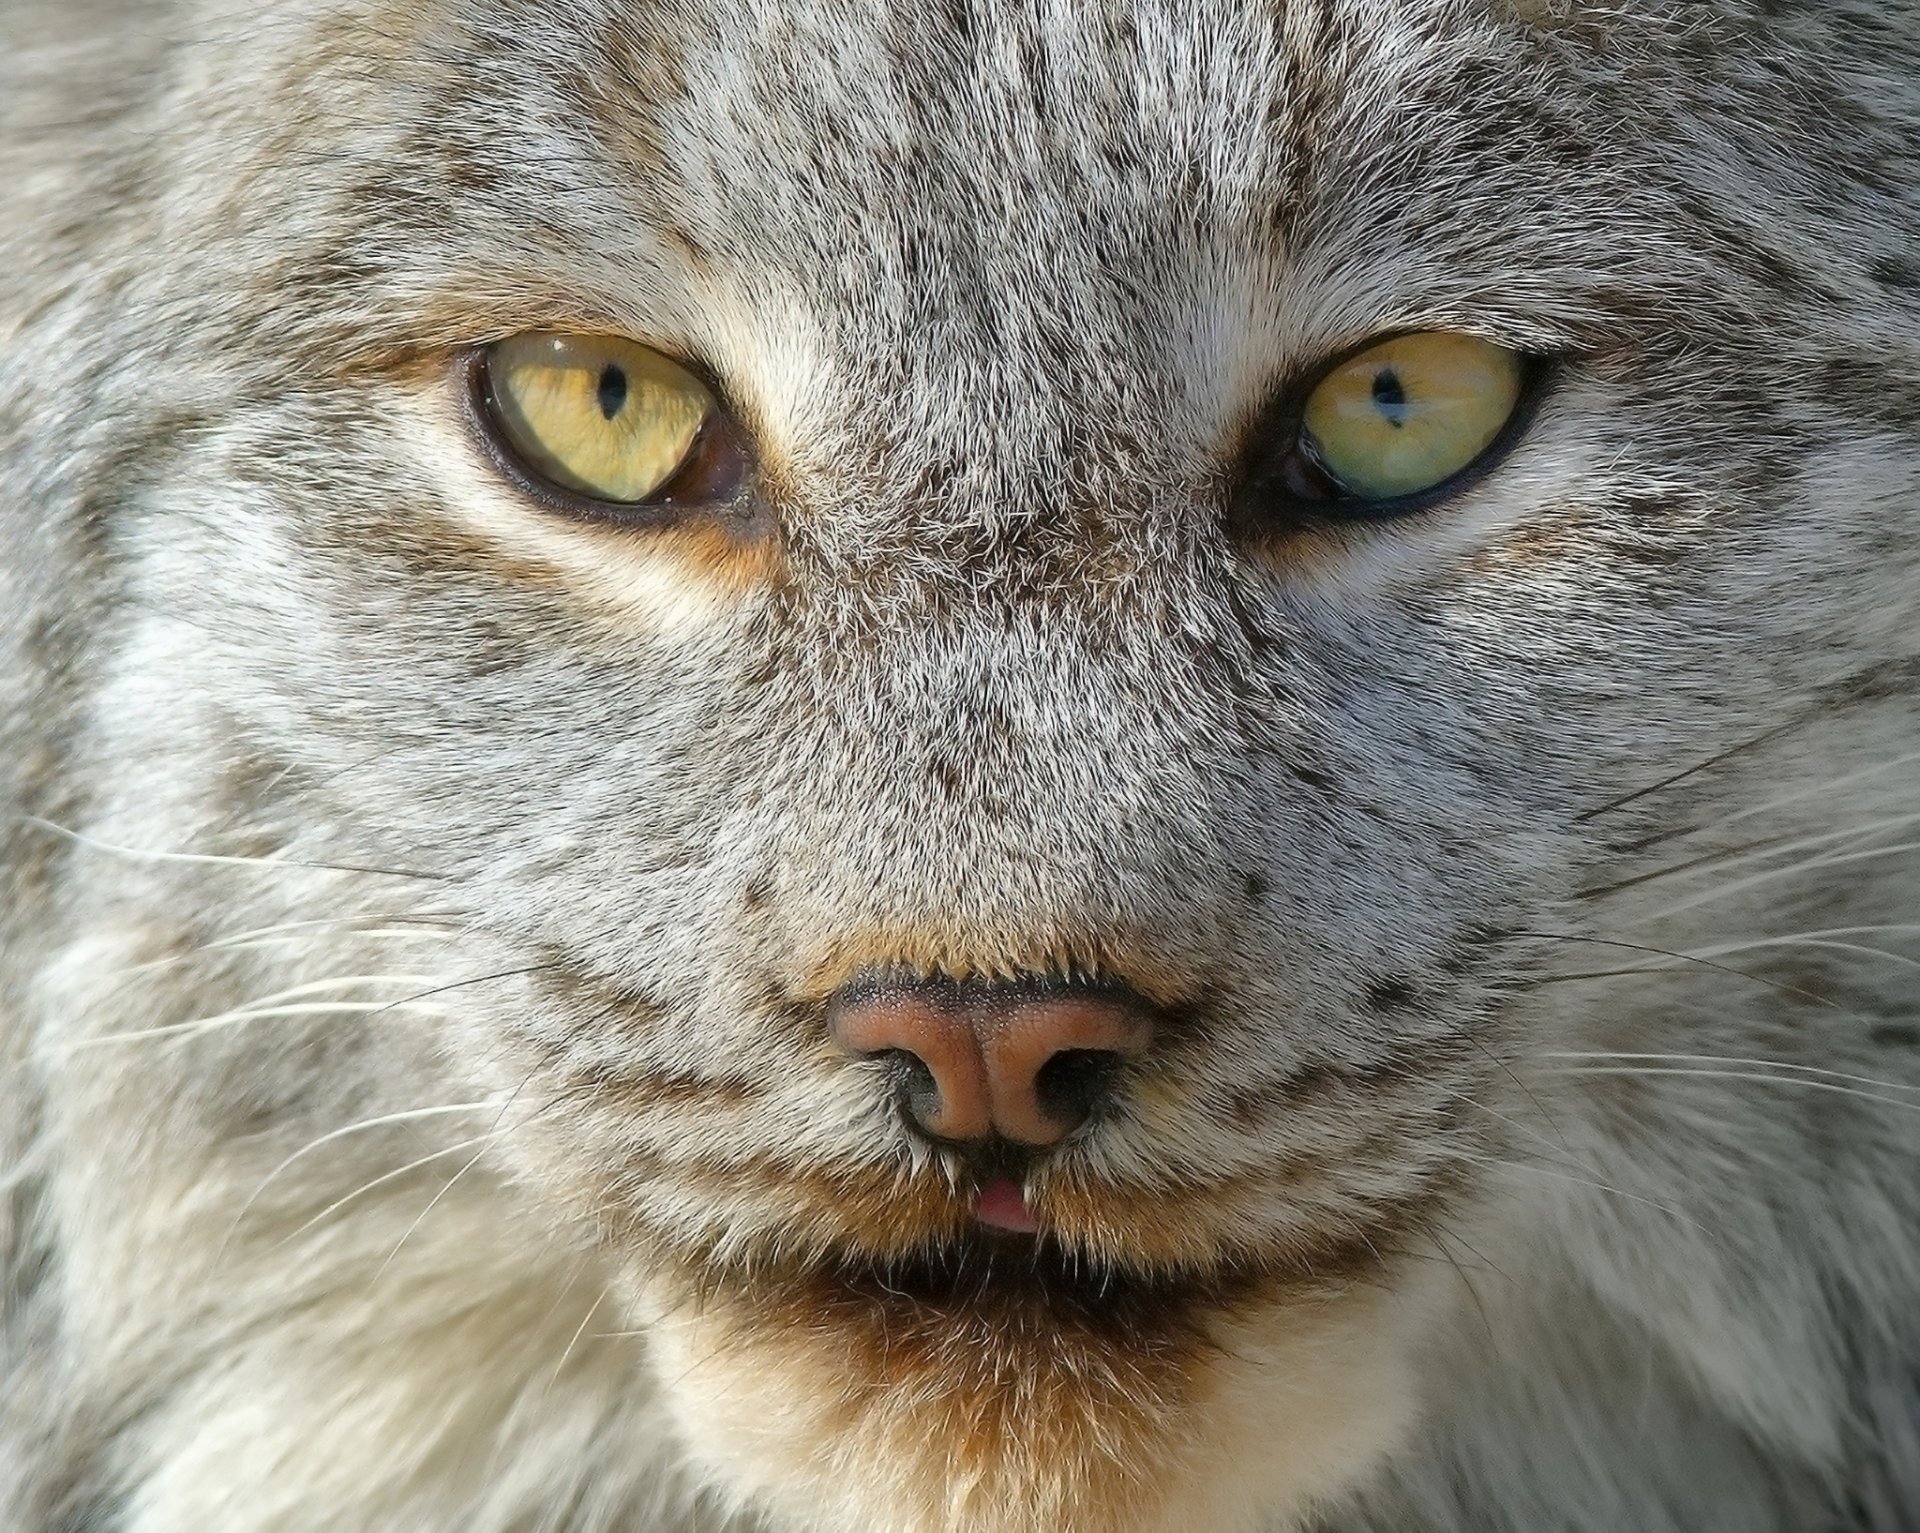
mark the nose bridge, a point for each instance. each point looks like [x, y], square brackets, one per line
[1006, 798]
[1038, 736]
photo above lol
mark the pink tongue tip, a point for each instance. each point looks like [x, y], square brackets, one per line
[1003, 1206]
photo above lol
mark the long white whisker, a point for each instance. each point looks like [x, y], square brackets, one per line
[1652, 1071]
[434, 1203]
[424, 926]
[1822, 787]
[266, 1009]
[410, 1115]
[573, 1341]
[1884, 929]
[418, 1001]
[1720, 862]
[1758, 944]
[150, 854]
[235, 1018]
[1501, 1163]
[1666, 957]
[1726, 1059]
[1666, 963]
[387, 1176]
[485, 1142]
[1559, 1151]
[1811, 865]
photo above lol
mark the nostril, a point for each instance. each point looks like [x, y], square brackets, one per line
[1026, 1062]
[1073, 1085]
[913, 1084]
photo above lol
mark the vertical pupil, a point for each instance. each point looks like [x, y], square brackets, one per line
[1389, 398]
[612, 390]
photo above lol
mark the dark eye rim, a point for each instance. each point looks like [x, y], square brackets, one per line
[715, 477]
[1266, 504]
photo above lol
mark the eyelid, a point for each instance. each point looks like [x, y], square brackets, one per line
[717, 455]
[1263, 506]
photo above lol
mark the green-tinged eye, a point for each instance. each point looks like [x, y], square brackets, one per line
[1407, 415]
[602, 418]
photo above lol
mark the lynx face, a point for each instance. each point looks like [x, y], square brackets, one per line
[1007, 851]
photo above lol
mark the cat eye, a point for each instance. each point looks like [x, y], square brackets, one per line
[1391, 427]
[604, 427]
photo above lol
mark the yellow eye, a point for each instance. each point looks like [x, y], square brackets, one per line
[1408, 414]
[600, 417]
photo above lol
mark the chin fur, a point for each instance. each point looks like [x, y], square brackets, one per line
[888, 1413]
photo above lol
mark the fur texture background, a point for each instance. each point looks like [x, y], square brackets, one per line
[416, 1112]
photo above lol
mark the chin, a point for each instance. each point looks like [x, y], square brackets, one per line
[988, 1382]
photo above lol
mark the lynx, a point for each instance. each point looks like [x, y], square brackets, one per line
[865, 766]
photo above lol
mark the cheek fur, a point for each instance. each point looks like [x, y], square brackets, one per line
[682, 585]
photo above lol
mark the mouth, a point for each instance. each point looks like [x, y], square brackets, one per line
[1002, 1269]
[1003, 1206]
[991, 1292]
[997, 1243]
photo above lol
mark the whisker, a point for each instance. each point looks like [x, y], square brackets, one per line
[431, 924]
[410, 1115]
[227, 1019]
[1811, 865]
[1479, 1256]
[148, 854]
[418, 1001]
[1824, 786]
[381, 1180]
[1588, 815]
[1560, 1151]
[572, 1342]
[1730, 1059]
[1752, 1076]
[1749, 852]
[476, 979]
[1809, 941]
[1771, 845]
[1505, 1067]
[1502, 1163]
[281, 1003]
[1819, 941]
[1661, 952]
[434, 1203]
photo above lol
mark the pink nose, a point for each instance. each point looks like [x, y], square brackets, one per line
[1029, 1062]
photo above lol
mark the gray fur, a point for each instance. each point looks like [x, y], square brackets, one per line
[542, 844]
